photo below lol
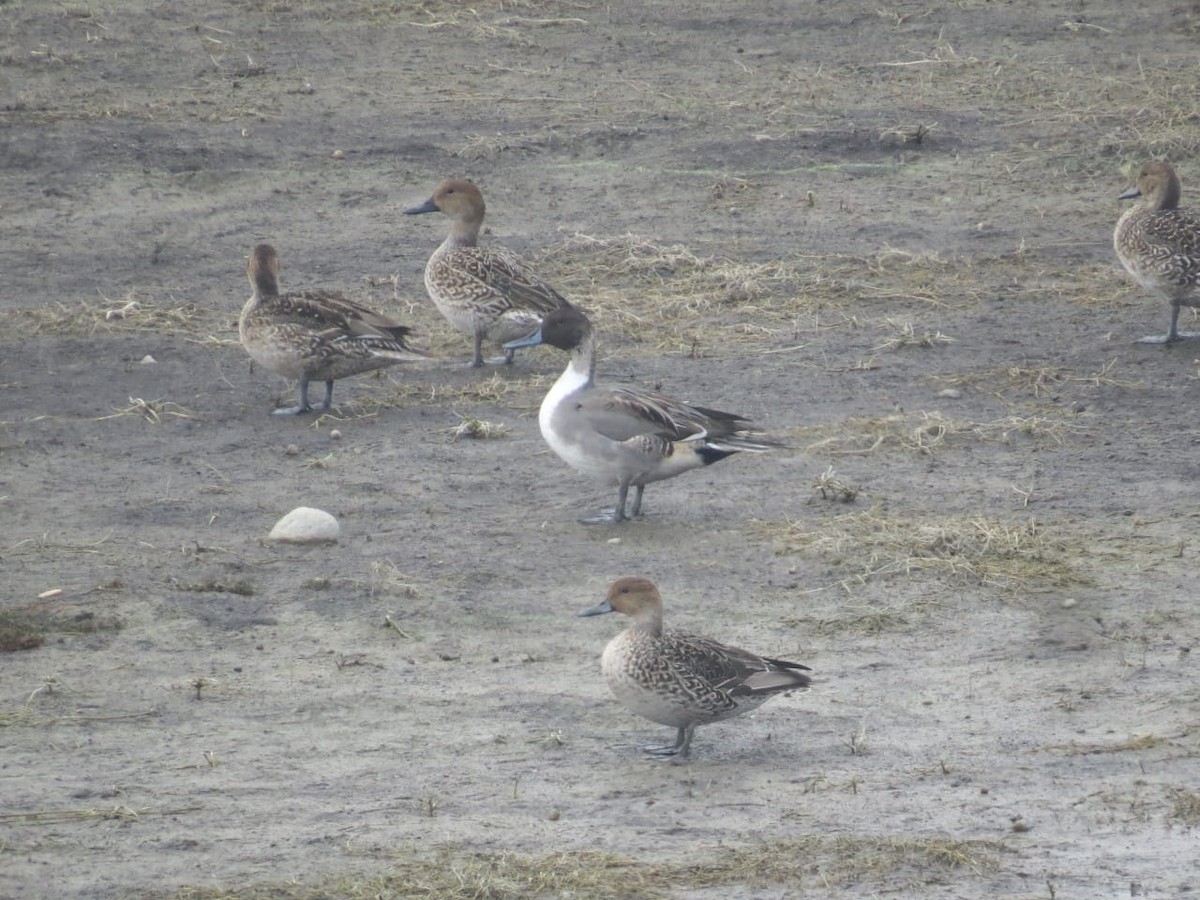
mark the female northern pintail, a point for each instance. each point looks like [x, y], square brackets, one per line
[680, 679]
[486, 292]
[1159, 244]
[624, 435]
[314, 335]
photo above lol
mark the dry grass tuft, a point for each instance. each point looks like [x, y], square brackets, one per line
[696, 301]
[501, 389]
[478, 429]
[1035, 380]
[117, 316]
[830, 487]
[27, 627]
[905, 335]
[1185, 807]
[153, 411]
[893, 863]
[1132, 743]
[928, 433]
[1011, 556]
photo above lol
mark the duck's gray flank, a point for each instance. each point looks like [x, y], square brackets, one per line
[681, 679]
[626, 436]
[1158, 243]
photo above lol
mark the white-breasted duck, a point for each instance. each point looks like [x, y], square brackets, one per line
[623, 435]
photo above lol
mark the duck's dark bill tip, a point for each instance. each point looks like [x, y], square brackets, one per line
[427, 207]
[532, 341]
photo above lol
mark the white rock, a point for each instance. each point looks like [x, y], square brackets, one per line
[305, 525]
[148, 360]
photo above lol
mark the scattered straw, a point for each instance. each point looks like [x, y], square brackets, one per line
[928, 433]
[889, 864]
[129, 314]
[477, 429]
[153, 411]
[1020, 555]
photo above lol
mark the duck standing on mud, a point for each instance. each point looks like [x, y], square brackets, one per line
[624, 435]
[1159, 244]
[314, 335]
[681, 679]
[486, 292]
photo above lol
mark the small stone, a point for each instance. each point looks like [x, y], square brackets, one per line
[339, 154]
[1070, 603]
[614, 540]
[555, 815]
[291, 450]
[951, 394]
[147, 360]
[305, 525]
[335, 435]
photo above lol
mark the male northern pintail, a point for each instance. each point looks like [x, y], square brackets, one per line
[314, 335]
[486, 292]
[624, 435]
[680, 679]
[1159, 244]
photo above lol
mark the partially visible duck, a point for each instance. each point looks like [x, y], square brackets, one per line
[1159, 244]
[486, 292]
[625, 436]
[314, 335]
[680, 679]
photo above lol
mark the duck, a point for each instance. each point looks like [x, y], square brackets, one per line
[624, 435]
[680, 679]
[488, 293]
[1159, 244]
[314, 335]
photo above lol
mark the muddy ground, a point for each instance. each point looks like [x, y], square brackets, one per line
[883, 231]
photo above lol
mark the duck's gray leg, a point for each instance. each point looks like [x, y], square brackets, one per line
[1174, 334]
[637, 502]
[303, 407]
[328, 402]
[681, 747]
[610, 516]
[477, 360]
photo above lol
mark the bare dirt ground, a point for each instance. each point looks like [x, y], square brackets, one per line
[881, 230]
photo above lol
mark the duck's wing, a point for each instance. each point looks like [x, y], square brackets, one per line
[331, 315]
[737, 671]
[499, 282]
[620, 413]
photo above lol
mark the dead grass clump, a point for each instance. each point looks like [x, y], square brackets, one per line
[1185, 807]
[241, 587]
[627, 281]
[830, 487]
[928, 433]
[520, 393]
[1011, 556]
[153, 411]
[891, 863]
[880, 620]
[905, 335]
[1035, 380]
[114, 316]
[693, 300]
[477, 429]
[27, 627]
